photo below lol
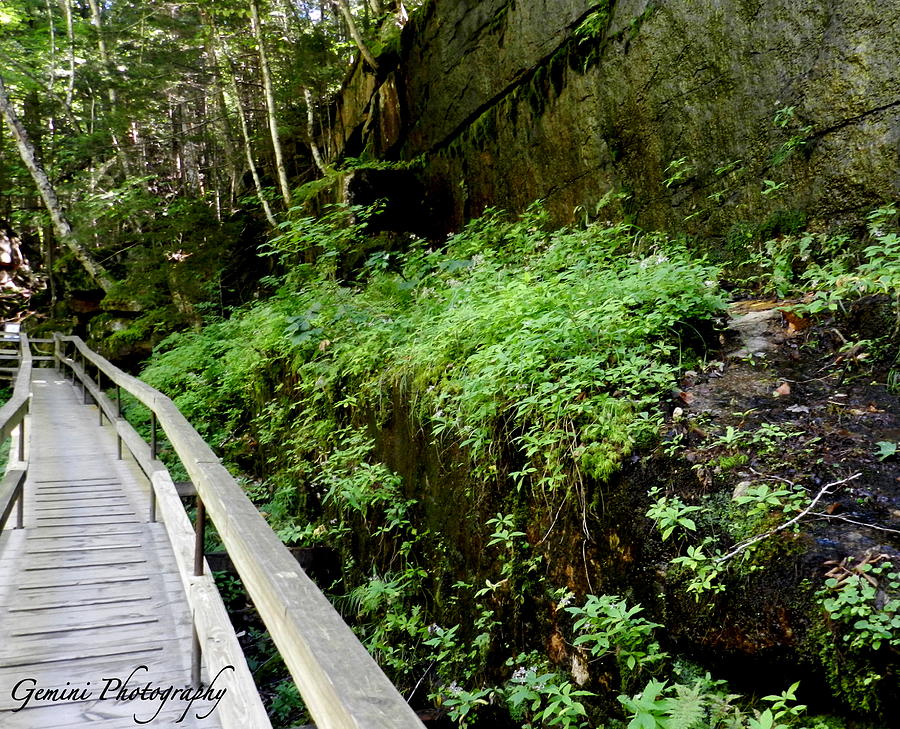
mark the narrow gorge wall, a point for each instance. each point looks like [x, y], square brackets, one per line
[704, 116]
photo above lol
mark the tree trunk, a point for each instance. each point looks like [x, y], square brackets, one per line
[70, 36]
[310, 126]
[270, 103]
[97, 22]
[245, 131]
[60, 223]
[344, 7]
[221, 122]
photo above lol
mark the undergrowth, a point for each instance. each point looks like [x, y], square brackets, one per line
[564, 340]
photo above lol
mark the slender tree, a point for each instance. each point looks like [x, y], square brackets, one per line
[344, 8]
[311, 131]
[270, 103]
[48, 194]
[217, 43]
[70, 37]
[97, 22]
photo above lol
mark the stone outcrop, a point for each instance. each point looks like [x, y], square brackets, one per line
[703, 117]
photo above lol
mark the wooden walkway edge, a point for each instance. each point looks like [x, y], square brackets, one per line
[107, 605]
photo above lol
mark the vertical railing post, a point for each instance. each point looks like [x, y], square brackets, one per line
[22, 438]
[153, 452]
[199, 537]
[118, 417]
[199, 540]
[99, 392]
[20, 506]
[84, 376]
[196, 657]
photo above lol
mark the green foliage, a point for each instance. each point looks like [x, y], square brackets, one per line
[560, 342]
[859, 600]
[515, 559]
[461, 704]
[705, 703]
[785, 119]
[670, 512]
[595, 23]
[886, 449]
[762, 499]
[543, 698]
[831, 267]
[677, 171]
[566, 337]
[287, 706]
[703, 568]
[607, 626]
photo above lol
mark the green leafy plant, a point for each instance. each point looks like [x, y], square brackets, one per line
[703, 568]
[462, 705]
[677, 171]
[544, 698]
[705, 703]
[670, 513]
[886, 449]
[859, 600]
[770, 187]
[761, 499]
[607, 626]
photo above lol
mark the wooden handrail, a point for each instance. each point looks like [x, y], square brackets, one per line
[341, 684]
[15, 409]
[12, 415]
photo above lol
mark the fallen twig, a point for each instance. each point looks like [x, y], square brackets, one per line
[759, 537]
[858, 523]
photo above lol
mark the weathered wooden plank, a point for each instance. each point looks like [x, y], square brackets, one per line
[220, 645]
[97, 604]
[85, 677]
[110, 714]
[74, 577]
[88, 534]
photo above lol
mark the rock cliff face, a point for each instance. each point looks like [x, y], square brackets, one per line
[706, 116]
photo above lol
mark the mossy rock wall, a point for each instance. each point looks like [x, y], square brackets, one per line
[509, 103]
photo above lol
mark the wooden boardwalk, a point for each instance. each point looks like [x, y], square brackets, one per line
[90, 594]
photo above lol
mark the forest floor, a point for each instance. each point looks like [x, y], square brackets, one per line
[813, 410]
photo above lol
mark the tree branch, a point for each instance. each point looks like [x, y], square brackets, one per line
[759, 537]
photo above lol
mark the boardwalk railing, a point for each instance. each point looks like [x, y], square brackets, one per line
[341, 684]
[12, 416]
